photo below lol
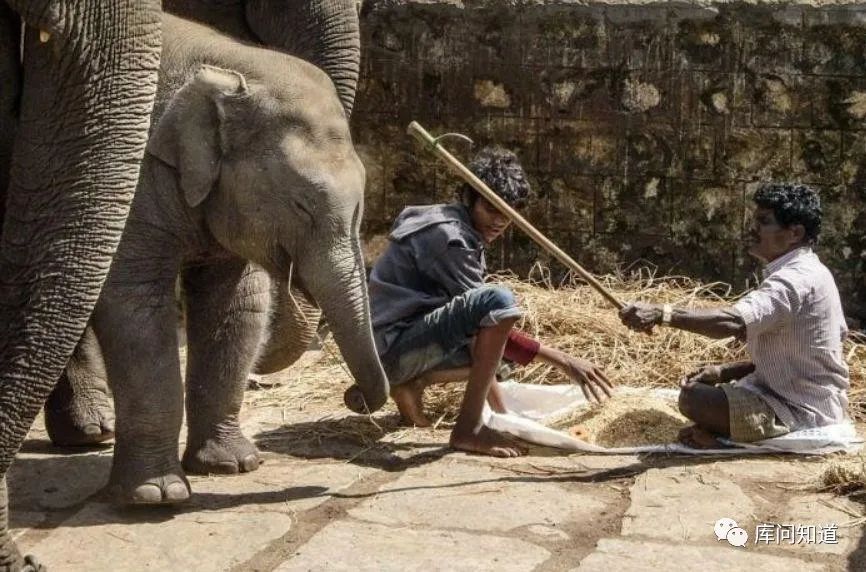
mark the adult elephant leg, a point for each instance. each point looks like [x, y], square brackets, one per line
[28, 563]
[79, 410]
[86, 98]
[227, 306]
[293, 327]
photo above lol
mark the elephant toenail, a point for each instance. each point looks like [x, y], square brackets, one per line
[227, 468]
[176, 492]
[92, 430]
[147, 494]
[31, 564]
[250, 463]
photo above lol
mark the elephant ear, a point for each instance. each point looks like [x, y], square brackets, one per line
[188, 136]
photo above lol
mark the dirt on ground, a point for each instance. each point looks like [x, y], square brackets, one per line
[345, 492]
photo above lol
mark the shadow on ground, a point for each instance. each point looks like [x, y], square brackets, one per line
[47, 472]
[857, 557]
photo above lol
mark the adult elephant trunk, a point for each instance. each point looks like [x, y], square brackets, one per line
[323, 32]
[89, 80]
[337, 281]
[10, 87]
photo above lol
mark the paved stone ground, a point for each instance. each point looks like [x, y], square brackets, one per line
[339, 493]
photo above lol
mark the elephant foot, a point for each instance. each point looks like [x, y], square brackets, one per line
[226, 455]
[12, 561]
[79, 418]
[31, 564]
[168, 487]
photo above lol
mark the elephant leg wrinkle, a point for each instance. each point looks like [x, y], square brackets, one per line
[227, 310]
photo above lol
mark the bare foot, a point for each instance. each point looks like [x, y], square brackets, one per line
[485, 441]
[698, 438]
[409, 399]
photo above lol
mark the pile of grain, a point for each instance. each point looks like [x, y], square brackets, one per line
[627, 420]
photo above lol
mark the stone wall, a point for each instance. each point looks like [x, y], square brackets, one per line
[645, 127]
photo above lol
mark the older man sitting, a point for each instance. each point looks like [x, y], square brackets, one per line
[793, 326]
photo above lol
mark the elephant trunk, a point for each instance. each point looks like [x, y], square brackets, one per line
[337, 281]
[10, 87]
[325, 33]
[84, 114]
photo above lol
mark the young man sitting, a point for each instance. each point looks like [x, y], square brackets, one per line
[793, 326]
[435, 320]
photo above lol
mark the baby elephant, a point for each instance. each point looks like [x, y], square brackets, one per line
[250, 183]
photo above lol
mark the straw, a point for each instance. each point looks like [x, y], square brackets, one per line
[572, 317]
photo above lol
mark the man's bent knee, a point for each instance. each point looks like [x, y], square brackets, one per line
[501, 297]
[498, 305]
[686, 401]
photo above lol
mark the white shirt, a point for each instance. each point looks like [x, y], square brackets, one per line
[795, 328]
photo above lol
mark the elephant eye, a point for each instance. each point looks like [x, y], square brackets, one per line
[302, 208]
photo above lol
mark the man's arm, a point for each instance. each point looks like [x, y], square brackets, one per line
[523, 349]
[592, 381]
[710, 322]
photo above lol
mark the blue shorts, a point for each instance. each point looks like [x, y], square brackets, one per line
[440, 339]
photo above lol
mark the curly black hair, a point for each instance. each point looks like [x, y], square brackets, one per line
[501, 171]
[792, 203]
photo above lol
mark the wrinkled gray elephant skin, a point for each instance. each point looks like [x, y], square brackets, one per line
[250, 172]
[78, 104]
[323, 32]
[79, 410]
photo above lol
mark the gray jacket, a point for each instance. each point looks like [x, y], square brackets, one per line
[434, 255]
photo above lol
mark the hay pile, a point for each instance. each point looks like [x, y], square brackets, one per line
[626, 420]
[855, 355]
[572, 317]
[845, 475]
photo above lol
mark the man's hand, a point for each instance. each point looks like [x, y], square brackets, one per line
[708, 375]
[594, 384]
[641, 317]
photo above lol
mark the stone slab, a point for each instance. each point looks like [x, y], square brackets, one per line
[357, 546]
[682, 504]
[470, 496]
[820, 510]
[641, 556]
[227, 521]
